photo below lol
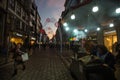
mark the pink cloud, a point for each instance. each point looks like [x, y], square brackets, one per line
[56, 3]
[56, 15]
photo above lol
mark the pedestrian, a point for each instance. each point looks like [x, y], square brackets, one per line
[17, 58]
[106, 56]
[117, 65]
[93, 48]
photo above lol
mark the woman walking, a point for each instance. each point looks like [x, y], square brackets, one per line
[17, 58]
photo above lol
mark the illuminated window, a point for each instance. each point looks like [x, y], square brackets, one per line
[109, 40]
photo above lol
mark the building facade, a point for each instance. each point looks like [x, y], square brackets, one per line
[33, 23]
[38, 28]
[86, 19]
[18, 21]
[3, 12]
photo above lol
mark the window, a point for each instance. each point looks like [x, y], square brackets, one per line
[109, 40]
[23, 27]
[17, 23]
[23, 14]
[18, 9]
[11, 4]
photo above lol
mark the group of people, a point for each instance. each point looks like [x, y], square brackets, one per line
[102, 53]
[102, 62]
[110, 59]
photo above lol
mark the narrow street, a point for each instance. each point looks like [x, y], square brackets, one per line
[42, 65]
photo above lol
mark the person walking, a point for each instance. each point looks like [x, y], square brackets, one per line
[17, 58]
[106, 56]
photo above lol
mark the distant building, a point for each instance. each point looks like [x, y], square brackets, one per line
[38, 28]
[33, 23]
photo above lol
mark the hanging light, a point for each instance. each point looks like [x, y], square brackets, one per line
[98, 29]
[73, 16]
[111, 25]
[86, 30]
[67, 28]
[95, 8]
[117, 10]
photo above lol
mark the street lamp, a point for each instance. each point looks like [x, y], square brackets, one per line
[117, 10]
[95, 9]
[73, 16]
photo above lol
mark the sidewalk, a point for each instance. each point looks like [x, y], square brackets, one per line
[42, 65]
[66, 57]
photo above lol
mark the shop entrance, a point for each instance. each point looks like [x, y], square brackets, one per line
[109, 39]
[16, 40]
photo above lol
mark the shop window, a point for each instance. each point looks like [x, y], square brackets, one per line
[16, 40]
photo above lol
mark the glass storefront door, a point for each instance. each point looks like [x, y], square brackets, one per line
[109, 40]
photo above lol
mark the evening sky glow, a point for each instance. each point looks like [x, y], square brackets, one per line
[50, 9]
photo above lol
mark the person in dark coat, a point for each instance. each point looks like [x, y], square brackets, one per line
[106, 56]
[103, 67]
[17, 58]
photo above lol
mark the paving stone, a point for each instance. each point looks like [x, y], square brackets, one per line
[42, 65]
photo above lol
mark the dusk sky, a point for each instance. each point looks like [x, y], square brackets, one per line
[50, 9]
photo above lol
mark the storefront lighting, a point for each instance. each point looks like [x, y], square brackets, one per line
[73, 16]
[117, 10]
[19, 34]
[12, 39]
[109, 32]
[33, 38]
[95, 9]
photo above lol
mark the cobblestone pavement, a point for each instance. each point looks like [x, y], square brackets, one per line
[66, 56]
[42, 65]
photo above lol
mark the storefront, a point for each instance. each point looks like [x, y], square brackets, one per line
[16, 38]
[110, 38]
